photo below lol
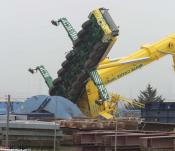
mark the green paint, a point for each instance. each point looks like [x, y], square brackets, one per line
[45, 74]
[99, 84]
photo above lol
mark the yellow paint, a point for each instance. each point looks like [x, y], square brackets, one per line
[118, 70]
[102, 23]
[152, 51]
[113, 40]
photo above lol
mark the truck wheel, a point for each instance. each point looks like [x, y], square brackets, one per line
[77, 42]
[70, 55]
[60, 72]
[72, 93]
[87, 24]
[96, 47]
[89, 64]
[82, 76]
[65, 64]
[57, 81]
[76, 85]
[81, 33]
[52, 91]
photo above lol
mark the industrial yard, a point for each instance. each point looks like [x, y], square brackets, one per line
[87, 76]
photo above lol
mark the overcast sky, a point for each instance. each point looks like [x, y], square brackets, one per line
[28, 39]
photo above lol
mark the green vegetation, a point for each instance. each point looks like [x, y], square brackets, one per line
[149, 95]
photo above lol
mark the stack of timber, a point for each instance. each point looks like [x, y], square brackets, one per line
[30, 134]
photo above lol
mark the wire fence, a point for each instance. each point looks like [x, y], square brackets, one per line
[13, 99]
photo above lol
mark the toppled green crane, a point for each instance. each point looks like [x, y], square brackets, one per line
[91, 46]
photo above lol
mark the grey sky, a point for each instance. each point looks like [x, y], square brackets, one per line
[27, 39]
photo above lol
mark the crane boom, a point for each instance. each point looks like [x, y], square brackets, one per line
[111, 70]
[145, 55]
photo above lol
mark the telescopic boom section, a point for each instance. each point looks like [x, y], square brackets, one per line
[147, 54]
[111, 70]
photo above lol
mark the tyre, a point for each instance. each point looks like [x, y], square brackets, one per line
[77, 42]
[57, 81]
[93, 55]
[81, 33]
[82, 76]
[95, 51]
[89, 64]
[52, 91]
[72, 93]
[65, 64]
[60, 72]
[76, 85]
[86, 24]
[97, 46]
[70, 55]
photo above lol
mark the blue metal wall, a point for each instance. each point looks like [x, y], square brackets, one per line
[159, 112]
[14, 106]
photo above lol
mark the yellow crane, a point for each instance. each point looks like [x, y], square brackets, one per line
[88, 57]
[111, 70]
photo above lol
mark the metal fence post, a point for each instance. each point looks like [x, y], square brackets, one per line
[7, 122]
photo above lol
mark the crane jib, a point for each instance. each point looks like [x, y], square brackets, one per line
[129, 71]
